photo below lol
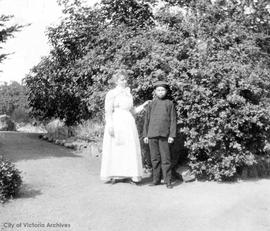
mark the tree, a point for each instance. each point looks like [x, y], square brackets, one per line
[69, 73]
[6, 32]
[222, 85]
[131, 13]
[13, 101]
[214, 54]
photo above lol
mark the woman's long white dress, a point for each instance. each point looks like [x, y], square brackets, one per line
[121, 154]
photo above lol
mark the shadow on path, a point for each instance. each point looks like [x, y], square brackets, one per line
[27, 191]
[16, 146]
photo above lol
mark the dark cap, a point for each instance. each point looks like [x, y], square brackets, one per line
[161, 84]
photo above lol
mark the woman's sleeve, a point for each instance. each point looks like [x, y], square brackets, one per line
[138, 109]
[134, 110]
[109, 108]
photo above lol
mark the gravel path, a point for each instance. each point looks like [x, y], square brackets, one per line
[62, 192]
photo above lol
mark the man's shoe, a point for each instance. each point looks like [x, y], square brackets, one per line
[134, 182]
[176, 176]
[114, 181]
[154, 183]
[169, 185]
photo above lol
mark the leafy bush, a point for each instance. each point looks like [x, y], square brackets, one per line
[89, 130]
[10, 180]
[214, 54]
[21, 115]
[57, 129]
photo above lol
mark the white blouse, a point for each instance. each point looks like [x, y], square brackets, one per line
[120, 98]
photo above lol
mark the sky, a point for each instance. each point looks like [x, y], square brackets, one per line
[29, 45]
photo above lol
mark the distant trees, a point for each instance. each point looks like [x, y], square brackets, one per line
[214, 54]
[13, 101]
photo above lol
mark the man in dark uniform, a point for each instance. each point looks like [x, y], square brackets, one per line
[160, 131]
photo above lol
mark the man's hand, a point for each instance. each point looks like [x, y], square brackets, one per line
[145, 140]
[111, 131]
[170, 140]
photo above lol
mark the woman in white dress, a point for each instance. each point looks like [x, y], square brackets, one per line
[121, 154]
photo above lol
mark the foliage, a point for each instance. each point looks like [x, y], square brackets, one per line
[223, 78]
[6, 32]
[133, 14]
[89, 130]
[13, 101]
[214, 54]
[10, 180]
[224, 86]
[57, 86]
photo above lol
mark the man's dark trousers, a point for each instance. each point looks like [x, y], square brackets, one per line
[160, 158]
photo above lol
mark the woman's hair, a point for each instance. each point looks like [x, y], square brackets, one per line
[118, 73]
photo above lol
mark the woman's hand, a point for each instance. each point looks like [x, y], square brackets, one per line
[140, 108]
[111, 131]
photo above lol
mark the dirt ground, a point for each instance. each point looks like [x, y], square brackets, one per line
[62, 192]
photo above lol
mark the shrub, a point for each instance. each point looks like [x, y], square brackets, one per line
[10, 180]
[57, 129]
[6, 123]
[21, 115]
[89, 130]
[214, 54]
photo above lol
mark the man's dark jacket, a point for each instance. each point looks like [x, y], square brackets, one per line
[160, 119]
